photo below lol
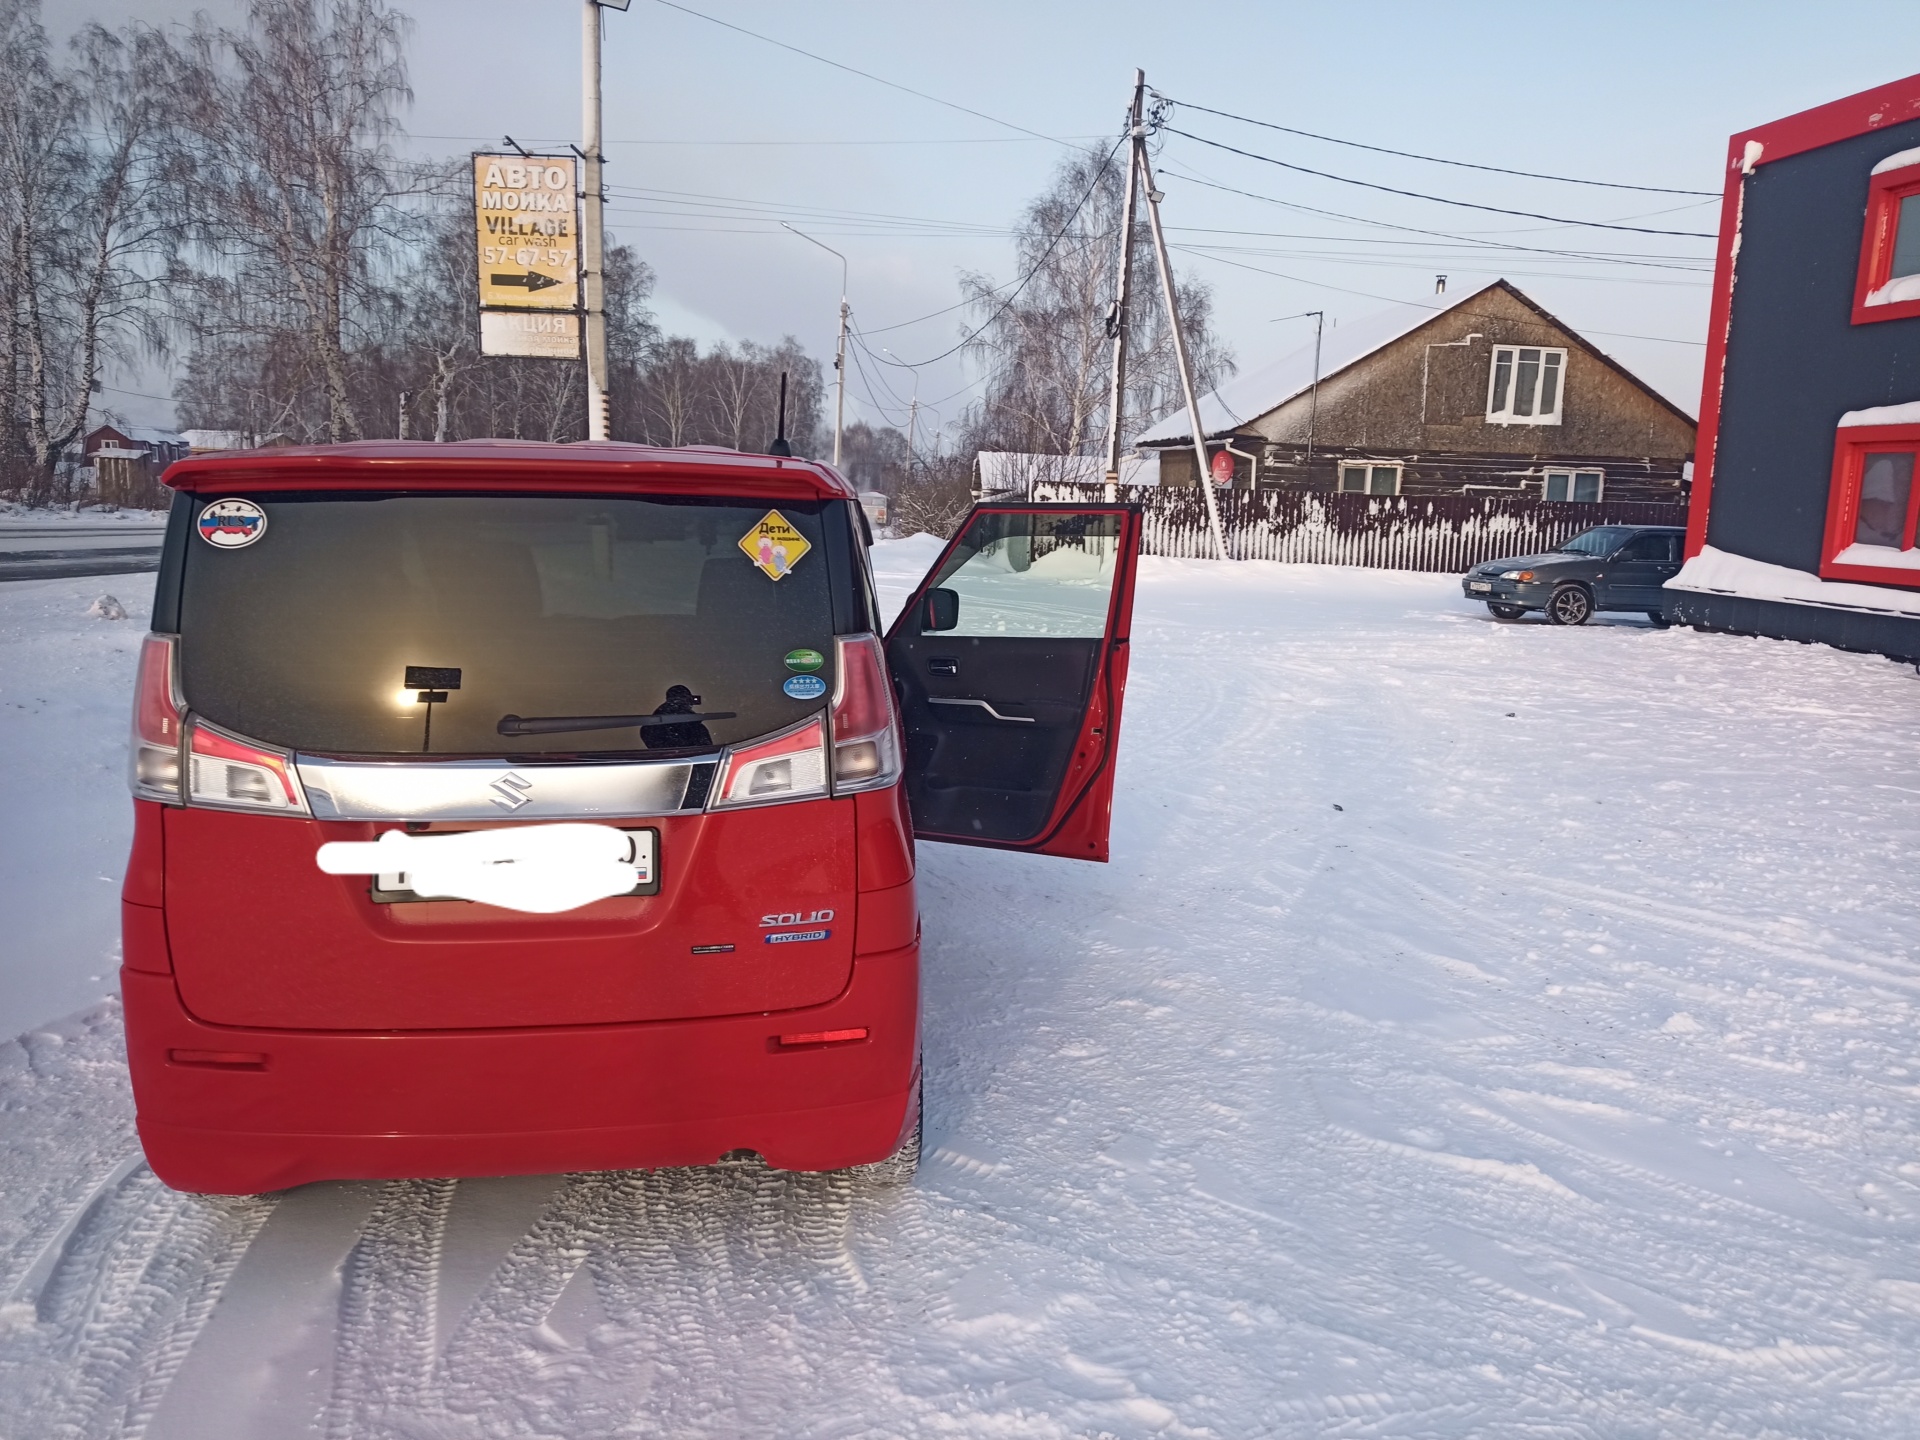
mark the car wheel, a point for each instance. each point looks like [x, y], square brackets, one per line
[1506, 612]
[1570, 605]
[898, 1168]
[1659, 620]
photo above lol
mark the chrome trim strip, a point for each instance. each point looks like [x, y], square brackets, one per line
[984, 705]
[491, 789]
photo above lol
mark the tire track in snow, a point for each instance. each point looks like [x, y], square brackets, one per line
[383, 1367]
[131, 1289]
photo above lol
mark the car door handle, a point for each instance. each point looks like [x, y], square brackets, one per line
[943, 665]
[984, 705]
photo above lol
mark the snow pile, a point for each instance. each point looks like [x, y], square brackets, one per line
[1560, 1081]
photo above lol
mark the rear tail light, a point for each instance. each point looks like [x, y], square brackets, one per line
[222, 771]
[791, 765]
[866, 735]
[232, 774]
[154, 764]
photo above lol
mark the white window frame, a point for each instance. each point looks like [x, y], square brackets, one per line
[1340, 483]
[1571, 473]
[1551, 360]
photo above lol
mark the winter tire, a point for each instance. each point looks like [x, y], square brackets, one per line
[1570, 605]
[1506, 612]
[898, 1168]
[1659, 619]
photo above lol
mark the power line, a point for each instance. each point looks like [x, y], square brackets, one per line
[1435, 159]
[980, 140]
[1405, 229]
[1417, 304]
[1436, 199]
[863, 74]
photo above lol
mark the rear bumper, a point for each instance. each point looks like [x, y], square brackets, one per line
[260, 1110]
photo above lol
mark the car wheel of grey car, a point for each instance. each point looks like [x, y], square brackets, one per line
[1659, 620]
[1506, 612]
[1570, 605]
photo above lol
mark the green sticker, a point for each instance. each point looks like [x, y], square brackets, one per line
[804, 659]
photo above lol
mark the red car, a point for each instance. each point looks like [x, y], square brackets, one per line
[542, 672]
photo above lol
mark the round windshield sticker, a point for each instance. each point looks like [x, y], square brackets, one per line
[805, 659]
[805, 687]
[231, 524]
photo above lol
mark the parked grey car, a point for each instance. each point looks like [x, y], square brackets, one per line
[1610, 567]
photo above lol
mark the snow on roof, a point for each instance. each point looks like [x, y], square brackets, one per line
[1245, 397]
[149, 435]
[1002, 470]
[215, 439]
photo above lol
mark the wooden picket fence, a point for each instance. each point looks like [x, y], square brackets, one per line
[1447, 533]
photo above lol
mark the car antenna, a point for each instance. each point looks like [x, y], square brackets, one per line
[780, 445]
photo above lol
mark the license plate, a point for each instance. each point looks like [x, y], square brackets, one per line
[1479, 585]
[396, 888]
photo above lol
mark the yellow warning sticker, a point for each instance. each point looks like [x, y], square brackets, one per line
[774, 545]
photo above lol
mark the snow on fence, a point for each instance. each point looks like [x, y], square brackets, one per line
[1379, 532]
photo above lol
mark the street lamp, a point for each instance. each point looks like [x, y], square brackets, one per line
[840, 349]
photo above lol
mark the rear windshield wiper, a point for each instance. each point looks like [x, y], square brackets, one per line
[563, 724]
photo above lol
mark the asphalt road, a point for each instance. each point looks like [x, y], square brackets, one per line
[53, 551]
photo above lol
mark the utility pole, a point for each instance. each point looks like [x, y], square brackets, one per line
[913, 414]
[593, 293]
[840, 349]
[1313, 401]
[1116, 395]
[1202, 477]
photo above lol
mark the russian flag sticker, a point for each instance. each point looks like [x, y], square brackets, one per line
[231, 524]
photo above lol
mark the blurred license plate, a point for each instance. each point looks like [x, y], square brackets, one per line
[1479, 585]
[396, 888]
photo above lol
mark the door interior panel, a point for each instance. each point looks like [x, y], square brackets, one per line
[971, 772]
[1009, 662]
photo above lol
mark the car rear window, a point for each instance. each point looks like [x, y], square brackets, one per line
[536, 606]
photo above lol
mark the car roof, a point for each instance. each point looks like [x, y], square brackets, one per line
[424, 466]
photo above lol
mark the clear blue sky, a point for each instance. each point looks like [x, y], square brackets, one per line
[700, 117]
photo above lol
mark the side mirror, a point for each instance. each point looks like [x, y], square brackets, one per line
[942, 611]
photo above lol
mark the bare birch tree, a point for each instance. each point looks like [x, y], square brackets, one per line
[1043, 338]
[296, 201]
[82, 157]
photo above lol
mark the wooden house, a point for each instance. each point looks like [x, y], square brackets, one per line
[1488, 394]
[1804, 515]
[128, 460]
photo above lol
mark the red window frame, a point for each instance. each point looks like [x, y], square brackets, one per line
[1850, 451]
[1884, 194]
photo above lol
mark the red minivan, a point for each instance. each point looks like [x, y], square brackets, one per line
[681, 647]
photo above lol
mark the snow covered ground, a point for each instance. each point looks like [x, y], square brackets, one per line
[1483, 1030]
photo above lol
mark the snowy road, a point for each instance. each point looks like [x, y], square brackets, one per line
[1484, 1030]
[45, 545]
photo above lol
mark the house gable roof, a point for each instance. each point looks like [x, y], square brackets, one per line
[1246, 398]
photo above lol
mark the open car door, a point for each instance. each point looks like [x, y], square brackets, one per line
[1010, 662]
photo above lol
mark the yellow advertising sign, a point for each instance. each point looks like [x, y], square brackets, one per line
[526, 228]
[774, 546]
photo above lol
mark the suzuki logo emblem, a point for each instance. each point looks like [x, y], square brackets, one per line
[510, 791]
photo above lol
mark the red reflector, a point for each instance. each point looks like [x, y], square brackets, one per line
[220, 1059]
[826, 1037]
